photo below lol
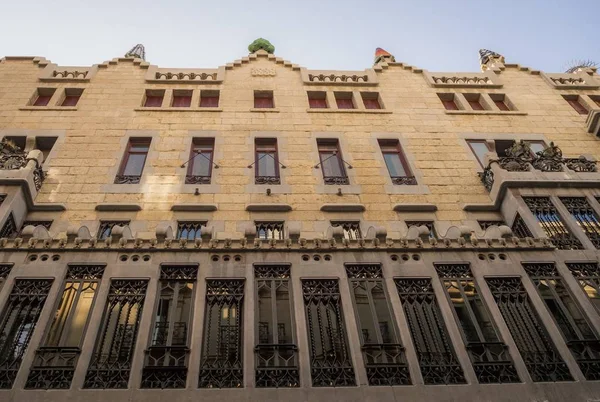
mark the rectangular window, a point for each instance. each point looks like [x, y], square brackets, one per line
[133, 161]
[371, 100]
[575, 103]
[330, 361]
[500, 101]
[276, 352]
[428, 224]
[18, 321]
[18, 140]
[351, 229]
[201, 161]
[182, 98]
[436, 355]
[317, 99]
[552, 224]
[42, 96]
[110, 364]
[105, 229]
[541, 358]
[189, 230]
[588, 276]
[479, 149]
[488, 353]
[266, 161]
[344, 100]
[332, 164]
[221, 364]
[449, 101]
[72, 96]
[61, 347]
[166, 362]
[585, 216]
[209, 98]
[474, 101]
[263, 100]
[395, 162]
[269, 230]
[9, 230]
[154, 97]
[383, 354]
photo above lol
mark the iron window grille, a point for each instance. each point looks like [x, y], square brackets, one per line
[541, 358]
[106, 227]
[190, 230]
[332, 163]
[581, 339]
[200, 165]
[221, 364]
[18, 321]
[436, 355]
[9, 230]
[132, 165]
[385, 360]
[266, 161]
[396, 163]
[486, 224]
[552, 224]
[488, 353]
[351, 229]
[110, 364]
[588, 276]
[428, 224]
[269, 230]
[276, 353]
[166, 362]
[585, 216]
[520, 229]
[4, 272]
[330, 361]
[2, 198]
[56, 359]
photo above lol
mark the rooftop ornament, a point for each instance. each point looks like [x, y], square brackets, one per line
[263, 44]
[486, 56]
[138, 52]
[382, 55]
[577, 65]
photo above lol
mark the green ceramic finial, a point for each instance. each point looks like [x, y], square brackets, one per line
[261, 43]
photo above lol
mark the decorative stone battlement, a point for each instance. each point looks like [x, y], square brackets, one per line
[463, 80]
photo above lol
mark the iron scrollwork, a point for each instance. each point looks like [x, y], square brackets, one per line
[336, 180]
[127, 179]
[267, 180]
[53, 368]
[404, 180]
[550, 221]
[193, 179]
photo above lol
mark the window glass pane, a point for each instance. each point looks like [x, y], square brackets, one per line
[266, 163]
[394, 164]
[536, 146]
[363, 308]
[182, 314]
[284, 318]
[135, 165]
[62, 314]
[265, 316]
[479, 149]
[384, 319]
[201, 164]
[331, 164]
[80, 316]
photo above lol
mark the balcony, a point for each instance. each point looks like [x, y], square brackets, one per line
[277, 366]
[386, 364]
[587, 355]
[492, 362]
[53, 368]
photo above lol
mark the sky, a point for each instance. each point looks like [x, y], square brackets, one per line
[437, 35]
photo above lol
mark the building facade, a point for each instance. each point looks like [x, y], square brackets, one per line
[263, 232]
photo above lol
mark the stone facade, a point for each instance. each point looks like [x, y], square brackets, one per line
[72, 150]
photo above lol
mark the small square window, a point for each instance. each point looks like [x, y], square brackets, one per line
[351, 229]
[154, 97]
[42, 96]
[371, 100]
[182, 98]
[209, 98]
[500, 101]
[317, 99]
[575, 103]
[269, 230]
[479, 149]
[448, 101]
[189, 230]
[72, 96]
[474, 101]
[263, 100]
[596, 99]
[344, 100]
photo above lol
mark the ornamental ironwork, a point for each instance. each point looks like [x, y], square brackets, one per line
[330, 361]
[453, 271]
[437, 358]
[486, 224]
[178, 272]
[5, 270]
[552, 224]
[9, 230]
[267, 180]
[85, 272]
[541, 358]
[351, 229]
[588, 276]
[404, 180]
[520, 229]
[364, 271]
[221, 364]
[11, 156]
[127, 179]
[549, 160]
[110, 365]
[336, 180]
[195, 179]
[19, 319]
[585, 216]
[581, 164]
[272, 271]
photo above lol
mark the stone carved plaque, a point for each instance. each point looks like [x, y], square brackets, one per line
[263, 72]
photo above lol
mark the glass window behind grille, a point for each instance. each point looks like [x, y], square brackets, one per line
[135, 157]
[266, 157]
[202, 153]
[394, 159]
[373, 312]
[479, 148]
[269, 230]
[331, 159]
[173, 314]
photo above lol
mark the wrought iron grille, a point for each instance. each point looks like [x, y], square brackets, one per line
[404, 180]
[489, 355]
[330, 362]
[166, 362]
[105, 229]
[2, 198]
[384, 357]
[351, 229]
[111, 362]
[221, 363]
[56, 359]
[520, 229]
[437, 359]
[486, 224]
[9, 230]
[276, 353]
[537, 350]
[269, 230]
[585, 216]
[267, 180]
[588, 276]
[581, 339]
[19, 319]
[189, 230]
[4, 271]
[550, 221]
[427, 224]
[336, 180]
[127, 179]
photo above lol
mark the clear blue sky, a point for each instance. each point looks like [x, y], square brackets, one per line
[438, 35]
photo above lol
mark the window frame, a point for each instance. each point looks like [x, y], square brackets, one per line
[200, 223]
[264, 94]
[198, 142]
[324, 142]
[281, 230]
[266, 147]
[128, 153]
[397, 151]
[113, 223]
